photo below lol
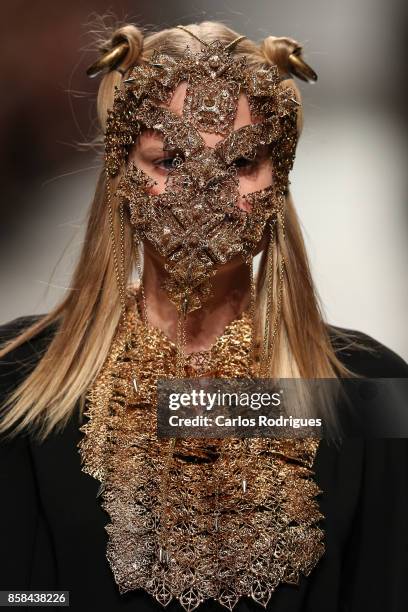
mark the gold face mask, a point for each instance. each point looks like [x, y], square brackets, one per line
[196, 224]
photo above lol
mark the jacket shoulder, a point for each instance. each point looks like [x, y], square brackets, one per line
[365, 355]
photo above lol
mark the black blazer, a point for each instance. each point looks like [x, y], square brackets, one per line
[52, 526]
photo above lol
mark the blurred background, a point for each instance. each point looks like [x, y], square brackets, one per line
[349, 180]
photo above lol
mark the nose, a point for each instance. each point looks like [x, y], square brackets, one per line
[214, 179]
[211, 139]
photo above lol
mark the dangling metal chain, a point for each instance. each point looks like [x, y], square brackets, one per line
[281, 222]
[181, 344]
[252, 312]
[141, 285]
[269, 295]
[269, 339]
[278, 312]
[119, 264]
[164, 553]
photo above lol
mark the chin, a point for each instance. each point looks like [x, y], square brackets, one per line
[234, 262]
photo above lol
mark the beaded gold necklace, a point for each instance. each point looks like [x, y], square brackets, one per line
[194, 518]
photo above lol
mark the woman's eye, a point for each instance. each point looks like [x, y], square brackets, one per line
[166, 163]
[169, 163]
[243, 163]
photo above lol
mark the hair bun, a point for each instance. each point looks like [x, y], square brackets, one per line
[122, 49]
[286, 54]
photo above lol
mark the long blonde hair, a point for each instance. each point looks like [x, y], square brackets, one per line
[89, 313]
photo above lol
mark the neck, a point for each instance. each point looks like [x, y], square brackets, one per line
[230, 297]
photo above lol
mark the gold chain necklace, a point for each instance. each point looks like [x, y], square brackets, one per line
[195, 518]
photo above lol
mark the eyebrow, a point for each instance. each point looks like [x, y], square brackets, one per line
[152, 147]
[151, 134]
[153, 140]
[246, 140]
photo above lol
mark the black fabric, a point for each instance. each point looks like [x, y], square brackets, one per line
[53, 528]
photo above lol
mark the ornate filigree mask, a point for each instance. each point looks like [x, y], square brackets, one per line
[196, 224]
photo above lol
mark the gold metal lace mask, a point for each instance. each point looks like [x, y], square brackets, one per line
[195, 224]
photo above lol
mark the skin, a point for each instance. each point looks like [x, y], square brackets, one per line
[231, 284]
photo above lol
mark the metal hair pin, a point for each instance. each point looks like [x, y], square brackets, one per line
[227, 47]
[109, 60]
[299, 68]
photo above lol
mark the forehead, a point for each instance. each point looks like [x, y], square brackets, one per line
[242, 117]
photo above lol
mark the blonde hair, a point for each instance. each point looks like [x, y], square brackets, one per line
[89, 313]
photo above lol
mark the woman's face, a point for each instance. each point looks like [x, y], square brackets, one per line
[253, 175]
